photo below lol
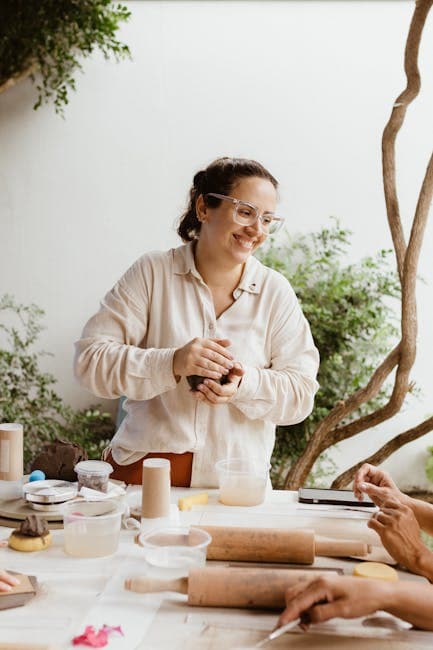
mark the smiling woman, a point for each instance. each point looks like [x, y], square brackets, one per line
[207, 309]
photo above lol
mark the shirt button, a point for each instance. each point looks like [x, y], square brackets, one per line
[211, 327]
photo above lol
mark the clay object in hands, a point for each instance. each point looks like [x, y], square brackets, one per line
[195, 380]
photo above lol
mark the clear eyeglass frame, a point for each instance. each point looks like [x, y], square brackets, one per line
[246, 214]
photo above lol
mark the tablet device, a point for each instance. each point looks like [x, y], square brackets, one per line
[333, 497]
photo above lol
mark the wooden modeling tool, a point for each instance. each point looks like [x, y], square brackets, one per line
[276, 545]
[228, 587]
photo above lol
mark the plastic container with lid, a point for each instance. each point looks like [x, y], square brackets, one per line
[93, 474]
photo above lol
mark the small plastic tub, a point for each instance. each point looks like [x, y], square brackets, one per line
[92, 528]
[93, 474]
[242, 482]
[176, 547]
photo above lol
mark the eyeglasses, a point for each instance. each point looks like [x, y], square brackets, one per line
[246, 214]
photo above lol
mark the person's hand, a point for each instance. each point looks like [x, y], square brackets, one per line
[7, 581]
[214, 393]
[324, 598]
[369, 475]
[398, 529]
[204, 357]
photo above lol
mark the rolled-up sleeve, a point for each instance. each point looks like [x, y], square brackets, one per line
[110, 357]
[284, 392]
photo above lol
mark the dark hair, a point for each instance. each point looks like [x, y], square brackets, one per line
[219, 177]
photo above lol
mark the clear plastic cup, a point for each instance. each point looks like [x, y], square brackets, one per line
[92, 528]
[93, 474]
[175, 549]
[242, 481]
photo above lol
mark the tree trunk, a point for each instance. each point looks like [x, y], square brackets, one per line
[402, 357]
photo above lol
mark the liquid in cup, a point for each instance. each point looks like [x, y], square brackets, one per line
[242, 482]
[91, 528]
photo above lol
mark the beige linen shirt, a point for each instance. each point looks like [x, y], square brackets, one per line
[159, 305]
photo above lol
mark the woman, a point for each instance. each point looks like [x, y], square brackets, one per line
[207, 308]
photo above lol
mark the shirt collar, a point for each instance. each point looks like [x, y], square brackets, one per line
[251, 280]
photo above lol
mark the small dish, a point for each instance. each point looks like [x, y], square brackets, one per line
[179, 547]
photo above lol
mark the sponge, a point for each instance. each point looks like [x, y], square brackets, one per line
[375, 570]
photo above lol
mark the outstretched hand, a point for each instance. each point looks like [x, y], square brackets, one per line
[332, 596]
[369, 476]
[398, 529]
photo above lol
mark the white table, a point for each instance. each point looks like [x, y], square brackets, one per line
[77, 592]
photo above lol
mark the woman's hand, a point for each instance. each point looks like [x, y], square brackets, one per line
[327, 597]
[214, 393]
[204, 357]
[7, 581]
[369, 474]
[398, 529]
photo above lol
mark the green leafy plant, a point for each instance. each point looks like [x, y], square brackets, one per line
[429, 465]
[349, 308]
[50, 36]
[26, 392]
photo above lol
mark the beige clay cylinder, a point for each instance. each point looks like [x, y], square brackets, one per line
[11, 451]
[155, 488]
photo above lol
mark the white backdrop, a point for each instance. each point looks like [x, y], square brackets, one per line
[304, 87]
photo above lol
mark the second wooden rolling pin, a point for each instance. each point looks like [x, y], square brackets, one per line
[276, 545]
[229, 587]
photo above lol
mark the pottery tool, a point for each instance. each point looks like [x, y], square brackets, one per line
[276, 545]
[278, 632]
[228, 587]
[11, 451]
[155, 502]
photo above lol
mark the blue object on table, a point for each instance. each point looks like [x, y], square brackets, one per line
[37, 475]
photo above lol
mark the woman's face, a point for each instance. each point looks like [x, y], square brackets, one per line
[221, 235]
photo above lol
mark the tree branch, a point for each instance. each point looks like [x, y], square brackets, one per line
[327, 432]
[382, 454]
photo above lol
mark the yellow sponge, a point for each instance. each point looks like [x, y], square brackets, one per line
[375, 570]
[186, 503]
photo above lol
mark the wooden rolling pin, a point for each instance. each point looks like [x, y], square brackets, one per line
[229, 587]
[276, 545]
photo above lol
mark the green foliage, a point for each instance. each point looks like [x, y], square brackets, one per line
[429, 465]
[349, 308]
[50, 36]
[26, 392]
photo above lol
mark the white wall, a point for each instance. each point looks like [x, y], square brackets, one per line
[304, 87]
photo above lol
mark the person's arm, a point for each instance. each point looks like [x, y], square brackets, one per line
[345, 597]
[284, 392]
[7, 581]
[397, 526]
[111, 359]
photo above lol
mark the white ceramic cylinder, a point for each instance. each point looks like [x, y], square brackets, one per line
[155, 501]
[11, 451]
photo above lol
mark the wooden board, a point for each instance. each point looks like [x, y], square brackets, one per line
[12, 513]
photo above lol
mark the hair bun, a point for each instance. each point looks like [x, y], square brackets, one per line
[199, 179]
